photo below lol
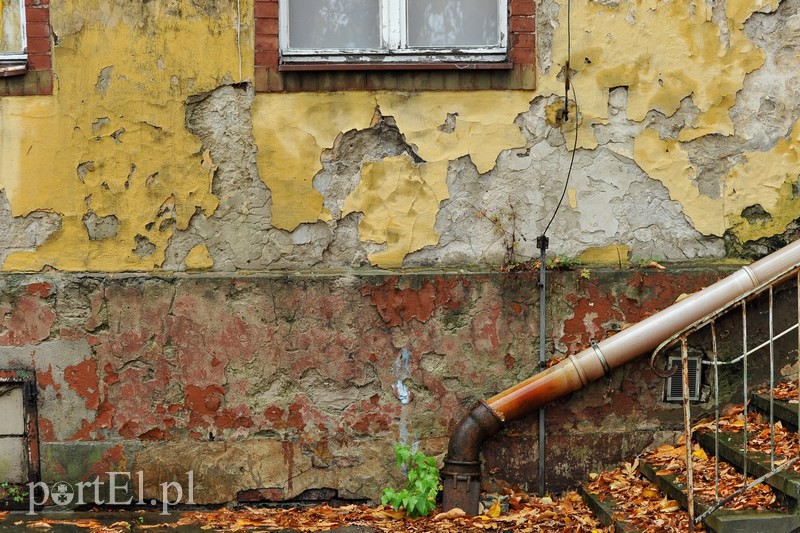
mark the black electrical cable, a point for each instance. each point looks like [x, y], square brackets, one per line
[566, 107]
[571, 164]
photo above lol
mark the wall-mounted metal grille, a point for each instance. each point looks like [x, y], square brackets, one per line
[674, 385]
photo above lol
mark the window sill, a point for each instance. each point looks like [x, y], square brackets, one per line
[13, 69]
[321, 66]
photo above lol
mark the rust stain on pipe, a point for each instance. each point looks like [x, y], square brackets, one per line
[588, 365]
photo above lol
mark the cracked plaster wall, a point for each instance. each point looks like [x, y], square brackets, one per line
[164, 158]
[154, 153]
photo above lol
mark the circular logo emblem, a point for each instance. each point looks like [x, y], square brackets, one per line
[62, 493]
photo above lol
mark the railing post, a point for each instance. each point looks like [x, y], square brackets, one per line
[687, 420]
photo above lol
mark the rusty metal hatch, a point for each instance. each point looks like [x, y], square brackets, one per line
[19, 438]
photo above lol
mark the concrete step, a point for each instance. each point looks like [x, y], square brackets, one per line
[722, 520]
[786, 483]
[603, 508]
[784, 411]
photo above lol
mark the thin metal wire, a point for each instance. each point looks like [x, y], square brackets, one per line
[771, 382]
[716, 411]
[744, 373]
[570, 86]
[687, 420]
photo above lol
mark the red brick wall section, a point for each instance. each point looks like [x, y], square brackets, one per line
[266, 45]
[39, 77]
[269, 78]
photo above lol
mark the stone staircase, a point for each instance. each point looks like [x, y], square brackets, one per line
[650, 494]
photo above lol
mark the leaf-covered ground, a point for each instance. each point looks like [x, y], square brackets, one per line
[565, 514]
[640, 503]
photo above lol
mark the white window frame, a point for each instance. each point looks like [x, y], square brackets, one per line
[395, 47]
[16, 60]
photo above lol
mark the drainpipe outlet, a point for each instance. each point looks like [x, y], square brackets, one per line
[461, 475]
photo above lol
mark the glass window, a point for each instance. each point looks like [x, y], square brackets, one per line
[393, 30]
[12, 38]
[452, 23]
[334, 24]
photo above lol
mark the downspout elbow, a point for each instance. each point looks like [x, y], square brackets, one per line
[461, 475]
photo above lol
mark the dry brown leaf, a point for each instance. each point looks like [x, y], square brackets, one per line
[452, 513]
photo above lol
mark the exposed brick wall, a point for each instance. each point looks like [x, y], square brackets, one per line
[521, 75]
[39, 77]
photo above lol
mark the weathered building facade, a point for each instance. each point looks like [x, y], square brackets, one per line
[202, 241]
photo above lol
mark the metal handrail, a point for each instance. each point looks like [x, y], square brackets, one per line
[707, 319]
[710, 320]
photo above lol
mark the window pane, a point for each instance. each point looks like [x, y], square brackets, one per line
[11, 27]
[436, 23]
[338, 24]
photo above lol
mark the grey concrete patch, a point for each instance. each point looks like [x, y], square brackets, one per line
[59, 404]
[25, 233]
[13, 468]
[11, 407]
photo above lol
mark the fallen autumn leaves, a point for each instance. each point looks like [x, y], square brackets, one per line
[526, 513]
[639, 502]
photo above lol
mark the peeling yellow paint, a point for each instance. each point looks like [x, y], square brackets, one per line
[124, 73]
[572, 194]
[399, 200]
[292, 130]
[766, 179]
[604, 255]
[484, 124]
[666, 161]
[663, 52]
[198, 258]
[112, 140]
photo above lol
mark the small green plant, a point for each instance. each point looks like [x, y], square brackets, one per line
[419, 496]
[563, 262]
[13, 492]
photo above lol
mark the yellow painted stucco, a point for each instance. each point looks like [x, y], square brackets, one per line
[616, 254]
[198, 258]
[668, 162]
[112, 140]
[665, 52]
[763, 179]
[399, 200]
[122, 78]
[662, 51]
[767, 179]
[292, 131]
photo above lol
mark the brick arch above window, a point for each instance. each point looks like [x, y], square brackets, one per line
[33, 75]
[514, 70]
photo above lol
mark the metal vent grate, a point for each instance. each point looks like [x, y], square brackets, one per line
[674, 385]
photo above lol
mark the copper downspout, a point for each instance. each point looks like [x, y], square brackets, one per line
[461, 472]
